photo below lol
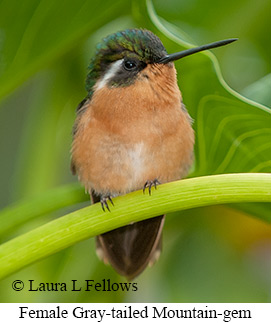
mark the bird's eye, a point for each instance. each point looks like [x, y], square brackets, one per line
[130, 65]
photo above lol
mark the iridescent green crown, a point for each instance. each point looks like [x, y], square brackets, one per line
[133, 43]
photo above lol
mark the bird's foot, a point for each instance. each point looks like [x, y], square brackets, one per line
[150, 184]
[104, 199]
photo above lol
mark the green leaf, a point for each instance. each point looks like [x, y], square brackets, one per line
[53, 41]
[53, 200]
[41, 31]
[260, 91]
[242, 63]
[233, 133]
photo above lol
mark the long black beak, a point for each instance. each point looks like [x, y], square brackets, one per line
[190, 51]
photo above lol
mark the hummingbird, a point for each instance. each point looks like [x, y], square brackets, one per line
[132, 131]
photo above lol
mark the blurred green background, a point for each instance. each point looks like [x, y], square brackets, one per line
[214, 254]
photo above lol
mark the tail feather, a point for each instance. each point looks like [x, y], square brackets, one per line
[131, 248]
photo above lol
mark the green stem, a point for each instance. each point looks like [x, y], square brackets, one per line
[52, 200]
[91, 221]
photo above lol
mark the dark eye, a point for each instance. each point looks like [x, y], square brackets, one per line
[130, 65]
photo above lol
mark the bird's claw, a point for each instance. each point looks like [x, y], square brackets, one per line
[104, 203]
[150, 184]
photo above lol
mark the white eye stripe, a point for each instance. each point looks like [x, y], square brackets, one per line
[109, 74]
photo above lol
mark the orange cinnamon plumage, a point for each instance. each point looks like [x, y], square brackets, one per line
[129, 135]
[132, 131]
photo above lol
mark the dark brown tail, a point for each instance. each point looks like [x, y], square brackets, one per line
[131, 248]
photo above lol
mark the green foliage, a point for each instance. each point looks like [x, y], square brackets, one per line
[181, 195]
[45, 50]
[233, 133]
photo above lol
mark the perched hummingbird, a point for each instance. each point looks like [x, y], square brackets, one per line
[132, 132]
